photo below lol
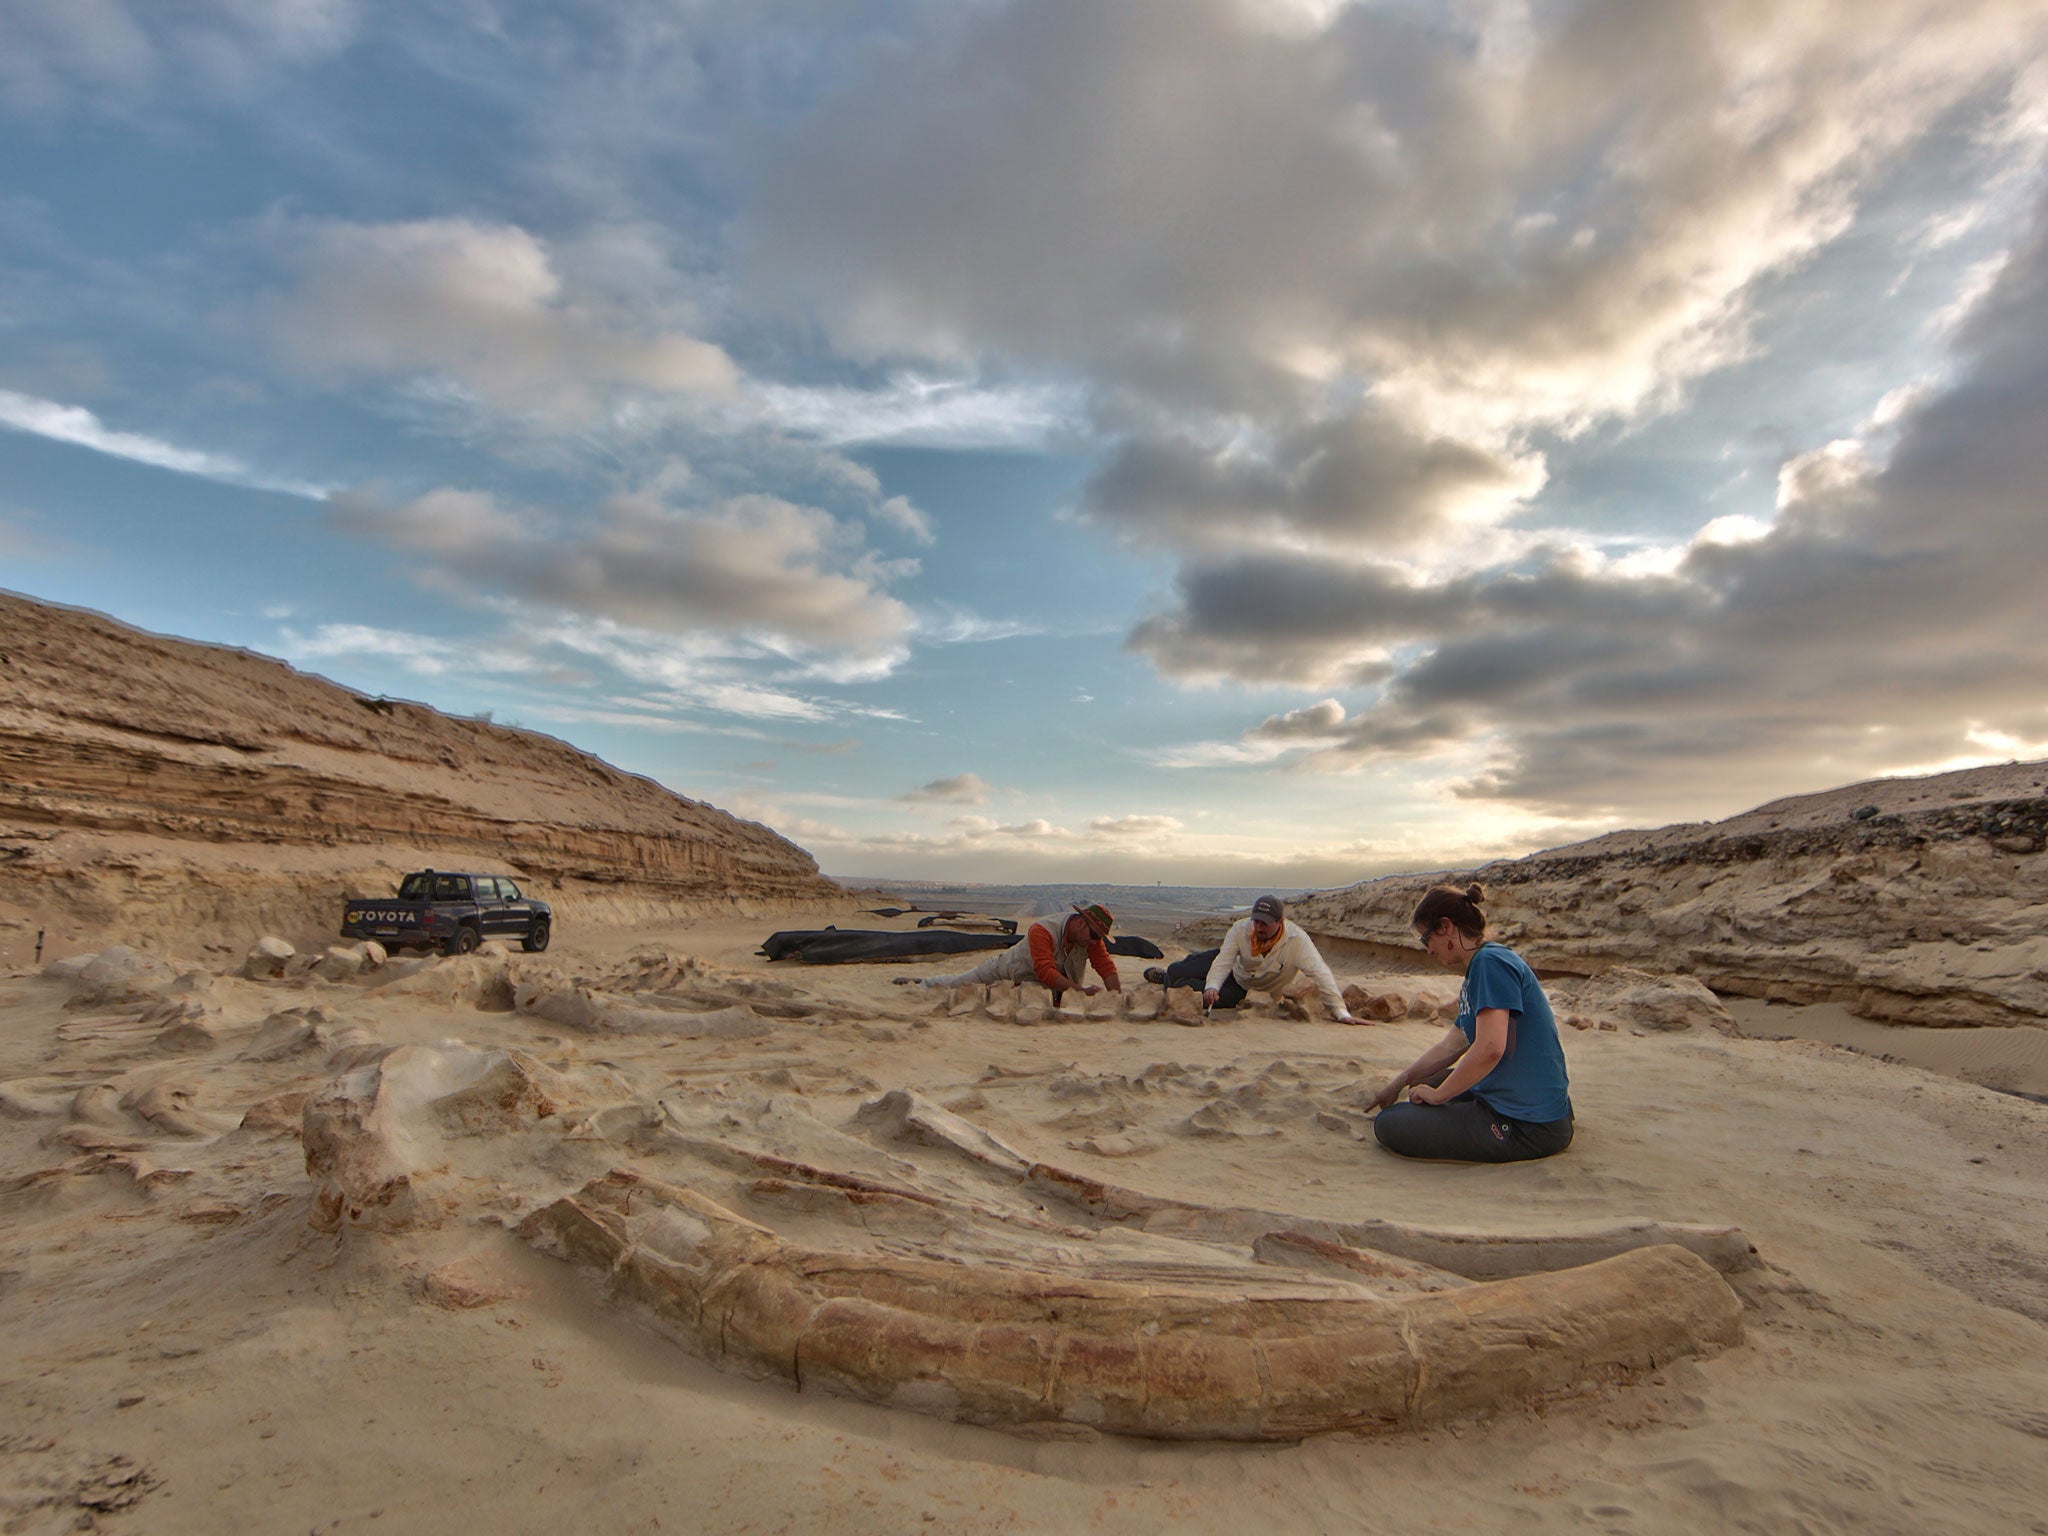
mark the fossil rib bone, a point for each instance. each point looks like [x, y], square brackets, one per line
[1014, 1346]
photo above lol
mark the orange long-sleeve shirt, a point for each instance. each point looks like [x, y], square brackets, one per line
[1052, 975]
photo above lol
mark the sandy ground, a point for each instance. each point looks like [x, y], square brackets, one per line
[181, 1352]
[2009, 1060]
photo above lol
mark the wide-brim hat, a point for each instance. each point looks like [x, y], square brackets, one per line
[1097, 916]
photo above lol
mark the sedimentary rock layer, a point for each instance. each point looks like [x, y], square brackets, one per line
[1922, 901]
[151, 787]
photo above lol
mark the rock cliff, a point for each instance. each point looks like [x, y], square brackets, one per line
[159, 792]
[1921, 901]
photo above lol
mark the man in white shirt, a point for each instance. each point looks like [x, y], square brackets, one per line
[1261, 953]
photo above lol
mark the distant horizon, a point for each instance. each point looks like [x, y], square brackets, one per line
[1048, 885]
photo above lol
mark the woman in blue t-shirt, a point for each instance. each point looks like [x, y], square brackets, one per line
[1494, 1089]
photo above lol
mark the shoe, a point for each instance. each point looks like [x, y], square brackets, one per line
[1156, 975]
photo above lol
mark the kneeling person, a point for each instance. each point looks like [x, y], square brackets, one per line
[1053, 952]
[1261, 953]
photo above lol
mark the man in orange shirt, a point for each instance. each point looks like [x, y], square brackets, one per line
[1053, 952]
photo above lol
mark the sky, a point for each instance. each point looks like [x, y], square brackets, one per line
[1205, 441]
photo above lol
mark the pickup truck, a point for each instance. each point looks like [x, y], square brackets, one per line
[450, 912]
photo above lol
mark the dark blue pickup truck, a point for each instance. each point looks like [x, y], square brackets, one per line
[450, 912]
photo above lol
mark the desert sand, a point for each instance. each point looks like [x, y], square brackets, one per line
[647, 1233]
[186, 1349]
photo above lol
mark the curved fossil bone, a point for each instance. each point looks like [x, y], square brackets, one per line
[901, 1115]
[1013, 1346]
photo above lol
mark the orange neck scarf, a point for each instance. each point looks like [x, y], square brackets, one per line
[1262, 948]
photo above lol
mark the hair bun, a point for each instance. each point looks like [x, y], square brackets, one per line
[1475, 893]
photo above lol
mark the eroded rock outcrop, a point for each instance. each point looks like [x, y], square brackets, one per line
[137, 771]
[1921, 901]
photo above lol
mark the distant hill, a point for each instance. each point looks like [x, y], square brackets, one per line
[1918, 900]
[159, 791]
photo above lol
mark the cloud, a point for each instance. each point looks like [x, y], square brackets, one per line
[1279, 617]
[112, 54]
[1887, 620]
[76, 425]
[622, 677]
[950, 624]
[1317, 722]
[1362, 479]
[961, 789]
[913, 409]
[483, 305]
[1342, 292]
[782, 577]
[1550, 231]
[426, 655]
[1036, 829]
[1134, 827]
[899, 514]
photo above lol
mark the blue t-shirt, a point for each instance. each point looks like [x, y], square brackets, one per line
[1528, 1083]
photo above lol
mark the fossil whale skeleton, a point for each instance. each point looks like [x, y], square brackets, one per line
[1225, 1356]
[940, 1270]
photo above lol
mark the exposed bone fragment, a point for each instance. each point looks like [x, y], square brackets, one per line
[1119, 1144]
[1478, 1256]
[169, 1107]
[1300, 1251]
[281, 1112]
[469, 1282]
[376, 1136]
[1142, 1007]
[266, 959]
[33, 1098]
[591, 1011]
[1381, 1007]
[284, 1034]
[100, 1104]
[906, 1116]
[782, 1003]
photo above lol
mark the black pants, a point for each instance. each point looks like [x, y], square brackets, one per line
[1193, 971]
[1466, 1131]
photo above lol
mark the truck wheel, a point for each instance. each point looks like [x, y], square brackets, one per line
[463, 941]
[537, 937]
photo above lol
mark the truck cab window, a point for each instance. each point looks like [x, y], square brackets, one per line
[415, 888]
[507, 891]
[451, 888]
